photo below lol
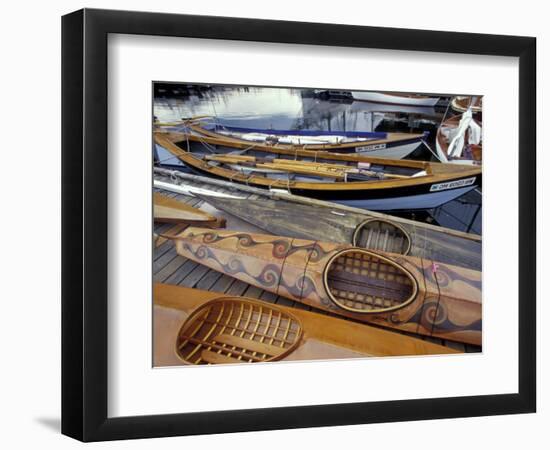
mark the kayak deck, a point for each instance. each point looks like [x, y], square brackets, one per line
[170, 268]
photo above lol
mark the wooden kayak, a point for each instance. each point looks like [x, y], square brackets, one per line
[198, 327]
[373, 232]
[354, 180]
[395, 98]
[402, 292]
[376, 144]
[445, 134]
[461, 103]
[169, 210]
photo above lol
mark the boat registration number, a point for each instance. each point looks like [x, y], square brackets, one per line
[452, 184]
[370, 148]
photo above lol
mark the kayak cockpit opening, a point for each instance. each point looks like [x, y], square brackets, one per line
[232, 330]
[382, 235]
[361, 281]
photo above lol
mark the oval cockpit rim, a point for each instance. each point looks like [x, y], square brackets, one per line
[409, 275]
[250, 301]
[379, 219]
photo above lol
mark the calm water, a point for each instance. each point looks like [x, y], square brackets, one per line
[282, 108]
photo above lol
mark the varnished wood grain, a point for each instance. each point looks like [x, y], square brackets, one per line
[166, 209]
[324, 337]
[285, 218]
[434, 173]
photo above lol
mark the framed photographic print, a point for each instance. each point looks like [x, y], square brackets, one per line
[276, 224]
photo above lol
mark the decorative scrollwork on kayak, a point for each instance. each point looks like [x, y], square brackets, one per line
[434, 316]
[444, 276]
[407, 293]
[281, 248]
[269, 275]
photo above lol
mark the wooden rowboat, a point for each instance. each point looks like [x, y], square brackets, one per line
[198, 327]
[169, 210]
[459, 148]
[354, 180]
[402, 292]
[395, 98]
[373, 232]
[372, 143]
[376, 144]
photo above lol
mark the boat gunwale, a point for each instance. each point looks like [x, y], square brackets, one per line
[391, 138]
[323, 153]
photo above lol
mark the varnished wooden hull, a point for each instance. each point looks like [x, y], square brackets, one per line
[320, 336]
[402, 292]
[462, 103]
[436, 184]
[391, 235]
[169, 210]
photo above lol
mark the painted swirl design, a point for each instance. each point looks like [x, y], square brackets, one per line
[234, 265]
[433, 314]
[208, 238]
[245, 240]
[280, 248]
[435, 318]
[202, 252]
[305, 285]
[444, 276]
[269, 276]
[317, 253]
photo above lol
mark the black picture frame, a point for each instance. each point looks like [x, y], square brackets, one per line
[84, 224]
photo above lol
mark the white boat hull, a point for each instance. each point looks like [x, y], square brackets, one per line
[392, 151]
[380, 97]
[424, 201]
[397, 152]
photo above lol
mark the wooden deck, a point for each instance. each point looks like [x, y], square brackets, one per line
[170, 268]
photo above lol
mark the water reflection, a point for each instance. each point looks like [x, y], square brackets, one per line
[290, 108]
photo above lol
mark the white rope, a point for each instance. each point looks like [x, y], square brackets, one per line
[432, 152]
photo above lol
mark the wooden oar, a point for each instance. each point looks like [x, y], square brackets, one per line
[337, 171]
